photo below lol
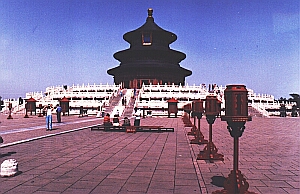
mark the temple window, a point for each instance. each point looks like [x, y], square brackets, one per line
[146, 38]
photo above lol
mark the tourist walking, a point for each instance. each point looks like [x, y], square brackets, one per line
[123, 102]
[58, 113]
[48, 110]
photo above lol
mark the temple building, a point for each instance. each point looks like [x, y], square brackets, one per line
[149, 58]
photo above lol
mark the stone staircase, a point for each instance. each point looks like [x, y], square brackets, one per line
[125, 111]
[253, 112]
[130, 106]
[114, 102]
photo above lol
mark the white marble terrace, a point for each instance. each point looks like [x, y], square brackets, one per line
[151, 96]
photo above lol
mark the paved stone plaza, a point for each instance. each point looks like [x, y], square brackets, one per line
[74, 159]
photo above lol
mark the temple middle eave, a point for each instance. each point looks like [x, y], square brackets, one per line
[170, 55]
[148, 70]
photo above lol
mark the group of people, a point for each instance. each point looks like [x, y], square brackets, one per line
[124, 101]
[49, 109]
[126, 121]
[116, 121]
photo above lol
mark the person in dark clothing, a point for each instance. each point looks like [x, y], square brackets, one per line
[58, 113]
[126, 122]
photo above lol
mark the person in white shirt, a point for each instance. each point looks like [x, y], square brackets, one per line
[49, 110]
[137, 119]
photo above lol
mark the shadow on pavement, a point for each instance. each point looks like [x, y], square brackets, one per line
[7, 154]
[218, 181]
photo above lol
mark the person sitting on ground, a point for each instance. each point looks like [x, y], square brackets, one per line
[116, 122]
[126, 122]
[106, 120]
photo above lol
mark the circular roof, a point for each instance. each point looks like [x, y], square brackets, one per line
[150, 26]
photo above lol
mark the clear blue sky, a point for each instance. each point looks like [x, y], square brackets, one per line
[64, 42]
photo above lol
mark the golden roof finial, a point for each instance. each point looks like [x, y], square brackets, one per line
[150, 12]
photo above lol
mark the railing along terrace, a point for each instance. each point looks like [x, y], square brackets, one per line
[82, 87]
[96, 87]
[80, 95]
[86, 95]
[158, 104]
[82, 90]
[275, 105]
[261, 97]
[168, 95]
[156, 96]
[75, 103]
[35, 95]
[153, 88]
[166, 90]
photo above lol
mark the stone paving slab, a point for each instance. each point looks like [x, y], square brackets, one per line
[87, 161]
[269, 154]
[20, 128]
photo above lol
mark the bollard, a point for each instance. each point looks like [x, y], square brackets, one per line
[236, 115]
[40, 107]
[26, 107]
[186, 120]
[197, 107]
[188, 109]
[186, 117]
[210, 151]
[9, 108]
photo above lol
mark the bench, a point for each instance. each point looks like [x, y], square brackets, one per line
[132, 129]
[108, 128]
